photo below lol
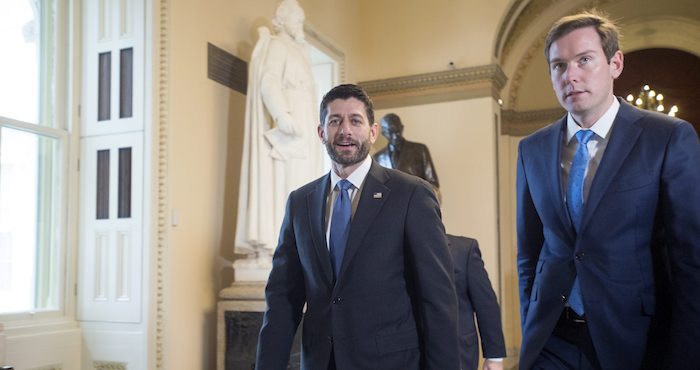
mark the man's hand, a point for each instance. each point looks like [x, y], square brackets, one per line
[493, 365]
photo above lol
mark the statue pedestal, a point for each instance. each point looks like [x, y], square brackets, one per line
[250, 275]
[251, 271]
[2, 345]
[250, 294]
[239, 318]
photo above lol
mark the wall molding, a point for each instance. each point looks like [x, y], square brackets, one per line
[437, 87]
[49, 367]
[162, 181]
[109, 365]
[517, 78]
[514, 123]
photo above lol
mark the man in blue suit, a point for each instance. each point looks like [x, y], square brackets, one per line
[378, 287]
[609, 229]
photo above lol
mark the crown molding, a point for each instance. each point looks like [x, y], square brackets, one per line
[437, 87]
[516, 123]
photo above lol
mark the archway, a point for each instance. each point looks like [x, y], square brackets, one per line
[675, 73]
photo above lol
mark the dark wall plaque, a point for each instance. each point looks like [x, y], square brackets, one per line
[242, 330]
[227, 69]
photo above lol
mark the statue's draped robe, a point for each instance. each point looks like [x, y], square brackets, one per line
[274, 163]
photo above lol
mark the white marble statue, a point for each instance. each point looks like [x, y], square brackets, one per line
[280, 149]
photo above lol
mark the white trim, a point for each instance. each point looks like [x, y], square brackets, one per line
[34, 128]
[163, 121]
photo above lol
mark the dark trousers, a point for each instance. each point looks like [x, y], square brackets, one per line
[569, 347]
[331, 363]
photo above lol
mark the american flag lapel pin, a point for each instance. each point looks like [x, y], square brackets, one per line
[377, 195]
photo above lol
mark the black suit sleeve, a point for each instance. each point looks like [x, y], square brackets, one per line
[530, 235]
[485, 303]
[285, 297]
[680, 197]
[432, 272]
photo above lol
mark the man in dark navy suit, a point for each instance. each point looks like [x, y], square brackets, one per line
[476, 298]
[382, 296]
[608, 220]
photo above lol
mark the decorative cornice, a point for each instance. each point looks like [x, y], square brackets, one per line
[107, 365]
[162, 183]
[436, 87]
[491, 72]
[507, 23]
[517, 78]
[516, 123]
[50, 367]
[525, 18]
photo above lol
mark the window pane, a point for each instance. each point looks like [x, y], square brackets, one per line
[102, 194]
[126, 83]
[104, 89]
[124, 183]
[30, 185]
[19, 38]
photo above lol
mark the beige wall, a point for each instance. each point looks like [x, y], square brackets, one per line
[461, 138]
[510, 303]
[476, 170]
[536, 91]
[432, 34]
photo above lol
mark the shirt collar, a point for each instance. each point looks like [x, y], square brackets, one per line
[601, 128]
[357, 177]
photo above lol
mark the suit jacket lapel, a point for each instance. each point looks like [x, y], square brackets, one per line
[555, 141]
[373, 196]
[623, 137]
[552, 143]
[316, 201]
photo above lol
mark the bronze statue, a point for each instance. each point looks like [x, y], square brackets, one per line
[401, 154]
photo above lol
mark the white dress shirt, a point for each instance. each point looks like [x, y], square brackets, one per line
[596, 146]
[356, 178]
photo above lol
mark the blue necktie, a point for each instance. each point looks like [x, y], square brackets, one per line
[340, 225]
[574, 202]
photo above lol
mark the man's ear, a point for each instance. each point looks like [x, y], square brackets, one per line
[321, 133]
[373, 130]
[617, 63]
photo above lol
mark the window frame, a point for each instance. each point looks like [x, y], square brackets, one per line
[58, 71]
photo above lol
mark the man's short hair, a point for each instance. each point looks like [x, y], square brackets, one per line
[606, 29]
[346, 92]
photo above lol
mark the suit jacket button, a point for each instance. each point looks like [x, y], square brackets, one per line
[563, 298]
[336, 300]
[579, 256]
[330, 340]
